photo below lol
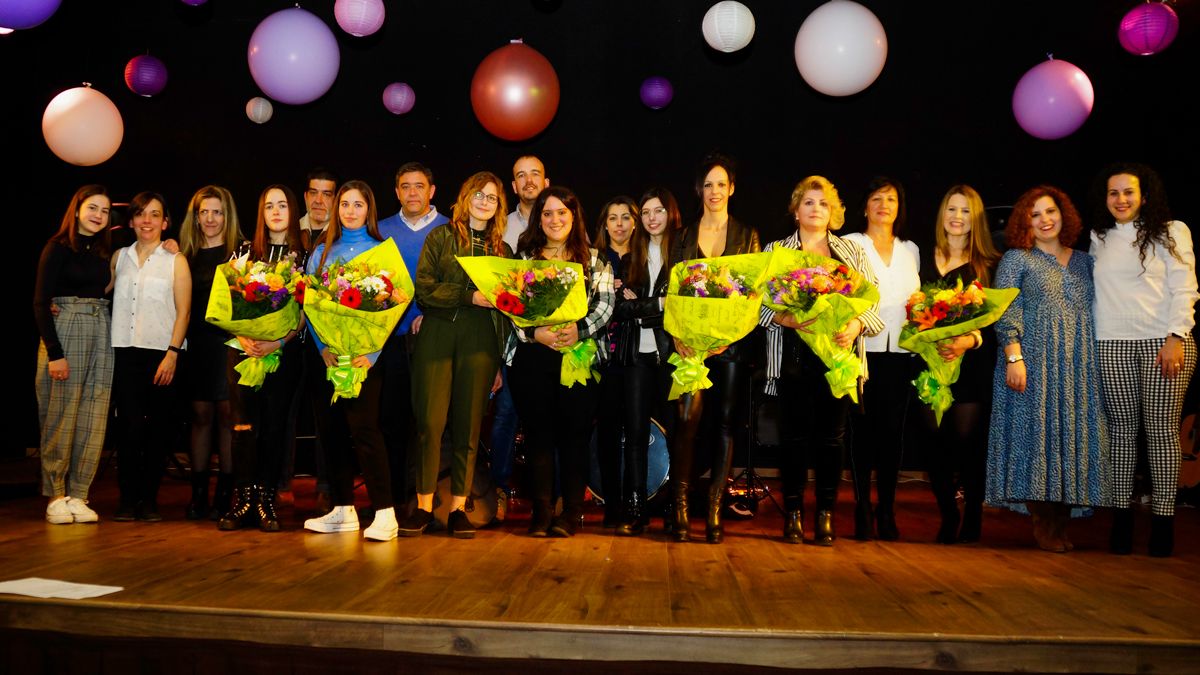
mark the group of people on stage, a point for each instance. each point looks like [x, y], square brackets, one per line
[1045, 417]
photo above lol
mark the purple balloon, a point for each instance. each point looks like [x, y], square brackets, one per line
[399, 98]
[1053, 99]
[194, 3]
[145, 75]
[293, 56]
[657, 92]
[1148, 29]
[23, 14]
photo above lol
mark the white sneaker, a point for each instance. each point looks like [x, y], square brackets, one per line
[58, 513]
[384, 527]
[340, 519]
[81, 511]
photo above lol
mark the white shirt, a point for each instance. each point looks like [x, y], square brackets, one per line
[646, 342]
[1132, 304]
[897, 282]
[144, 300]
[517, 224]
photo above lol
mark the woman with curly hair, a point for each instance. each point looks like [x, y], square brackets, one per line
[1145, 293]
[1048, 445]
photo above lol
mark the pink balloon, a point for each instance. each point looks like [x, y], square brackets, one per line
[293, 56]
[82, 126]
[515, 92]
[1053, 99]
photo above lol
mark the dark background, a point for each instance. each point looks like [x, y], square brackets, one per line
[940, 113]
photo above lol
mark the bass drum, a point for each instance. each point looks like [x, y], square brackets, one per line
[658, 460]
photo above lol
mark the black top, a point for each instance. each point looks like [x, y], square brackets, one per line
[739, 239]
[978, 365]
[203, 266]
[66, 273]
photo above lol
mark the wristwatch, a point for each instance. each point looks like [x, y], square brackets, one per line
[1015, 357]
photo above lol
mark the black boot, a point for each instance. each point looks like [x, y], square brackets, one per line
[885, 518]
[1162, 536]
[222, 502]
[242, 513]
[1120, 539]
[864, 525]
[197, 507]
[793, 526]
[632, 521]
[714, 532]
[612, 512]
[679, 515]
[539, 518]
[268, 520]
[972, 522]
[948, 508]
[823, 534]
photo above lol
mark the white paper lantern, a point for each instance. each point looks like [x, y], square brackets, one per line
[259, 110]
[841, 48]
[359, 17]
[82, 126]
[728, 26]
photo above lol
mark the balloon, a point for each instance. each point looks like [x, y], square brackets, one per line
[1148, 29]
[728, 26]
[293, 56]
[841, 48]
[359, 17]
[5, 31]
[82, 126]
[194, 3]
[1053, 99]
[145, 75]
[259, 110]
[657, 92]
[399, 98]
[514, 92]
[22, 14]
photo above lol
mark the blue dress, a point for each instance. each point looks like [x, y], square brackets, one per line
[1048, 443]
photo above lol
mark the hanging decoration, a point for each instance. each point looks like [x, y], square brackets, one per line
[26, 14]
[514, 92]
[145, 75]
[728, 26]
[82, 126]
[293, 56]
[840, 48]
[656, 92]
[1148, 28]
[359, 17]
[399, 98]
[1053, 99]
[259, 110]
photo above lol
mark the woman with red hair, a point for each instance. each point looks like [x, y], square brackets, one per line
[1048, 445]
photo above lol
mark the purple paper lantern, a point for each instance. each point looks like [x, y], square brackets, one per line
[399, 98]
[1148, 29]
[1053, 99]
[657, 92]
[293, 56]
[359, 17]
[194, 3]
[145, 75]
[23, 14]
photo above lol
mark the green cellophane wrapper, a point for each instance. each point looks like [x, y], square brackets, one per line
[354, 332]
[707, 324]
[253, 371]
[831, 312]
[933, 384]
[578, 360]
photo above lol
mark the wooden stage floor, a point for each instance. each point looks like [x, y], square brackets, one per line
[999, 606]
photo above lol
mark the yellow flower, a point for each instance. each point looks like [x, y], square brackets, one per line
[274, 282]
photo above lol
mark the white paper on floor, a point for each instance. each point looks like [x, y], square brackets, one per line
[53, 588]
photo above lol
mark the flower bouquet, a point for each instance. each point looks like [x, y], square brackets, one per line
[937, 312]
[711, 303]
[537, 293]
[354, 306]
[822, 290]
[258, 300]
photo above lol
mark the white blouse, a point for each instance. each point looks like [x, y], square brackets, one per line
[144, 300]
[1137, 304]
[897, 282]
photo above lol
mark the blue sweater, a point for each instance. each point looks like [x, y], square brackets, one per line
[410, 244]
[351, 243]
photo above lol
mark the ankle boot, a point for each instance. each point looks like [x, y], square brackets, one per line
[242, 513]
[714, 532]
[864, 527]
[539, 518]
[197, 507]
[823, 534]
[1042, 515]
[222, 496]
[972, 522]
[1162, 536]
[1120, 539]
[268, 520]
[680, 513]
[793, 526]
[1062, 518]
[885, 518]
[632, 522]
[948, 508]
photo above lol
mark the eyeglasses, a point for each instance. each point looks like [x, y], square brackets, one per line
[656, 211]
[480, 197]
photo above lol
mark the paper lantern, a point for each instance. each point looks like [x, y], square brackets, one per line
[82, 126]
[656, 92]
[1053, 99]
[259, 110]
[24, 14]
[359, 17]
[293, 56]
[514, 92]
[145, 75]
[1148, 29]
[728, 26]
[840, 48]
[399, 98]
[194, 3]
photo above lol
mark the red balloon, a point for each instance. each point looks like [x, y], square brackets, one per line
[515, 92]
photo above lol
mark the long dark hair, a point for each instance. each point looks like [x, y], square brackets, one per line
[636, 270]
[258, 247]
[601, 239]
[68, 230]
[534, 238]
[334, 231]
[1154, 216]
[879, 183]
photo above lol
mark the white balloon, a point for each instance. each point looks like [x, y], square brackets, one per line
[259, 110]
[82, 126]
[841, 48]
[728, 26]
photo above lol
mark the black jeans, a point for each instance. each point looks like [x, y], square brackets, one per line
[879, 430]
[261, 418]
[630, 396]
[813, 426]
[147, 414]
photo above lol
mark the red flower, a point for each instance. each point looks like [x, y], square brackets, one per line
[940, 309]
[843, 270]
[388, 284]
[300, 291]
[351, 298]
[251, 293]
[510, 304]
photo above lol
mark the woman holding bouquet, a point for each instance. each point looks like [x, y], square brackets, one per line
[816, 420]
[355, 230]
[963, 253]
[728, 401]
[1048, 442]
[209, 236]
[260, 416]
[1145, 294]
[75, 358]
[456, 360]
[879, 431]
[152, 299]
[554, 415]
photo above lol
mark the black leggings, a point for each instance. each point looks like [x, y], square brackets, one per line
[261, 418]
[813, 426]
[147, 416]
[959, 444]
[879, 430]
[721, 412]
[630, 396]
